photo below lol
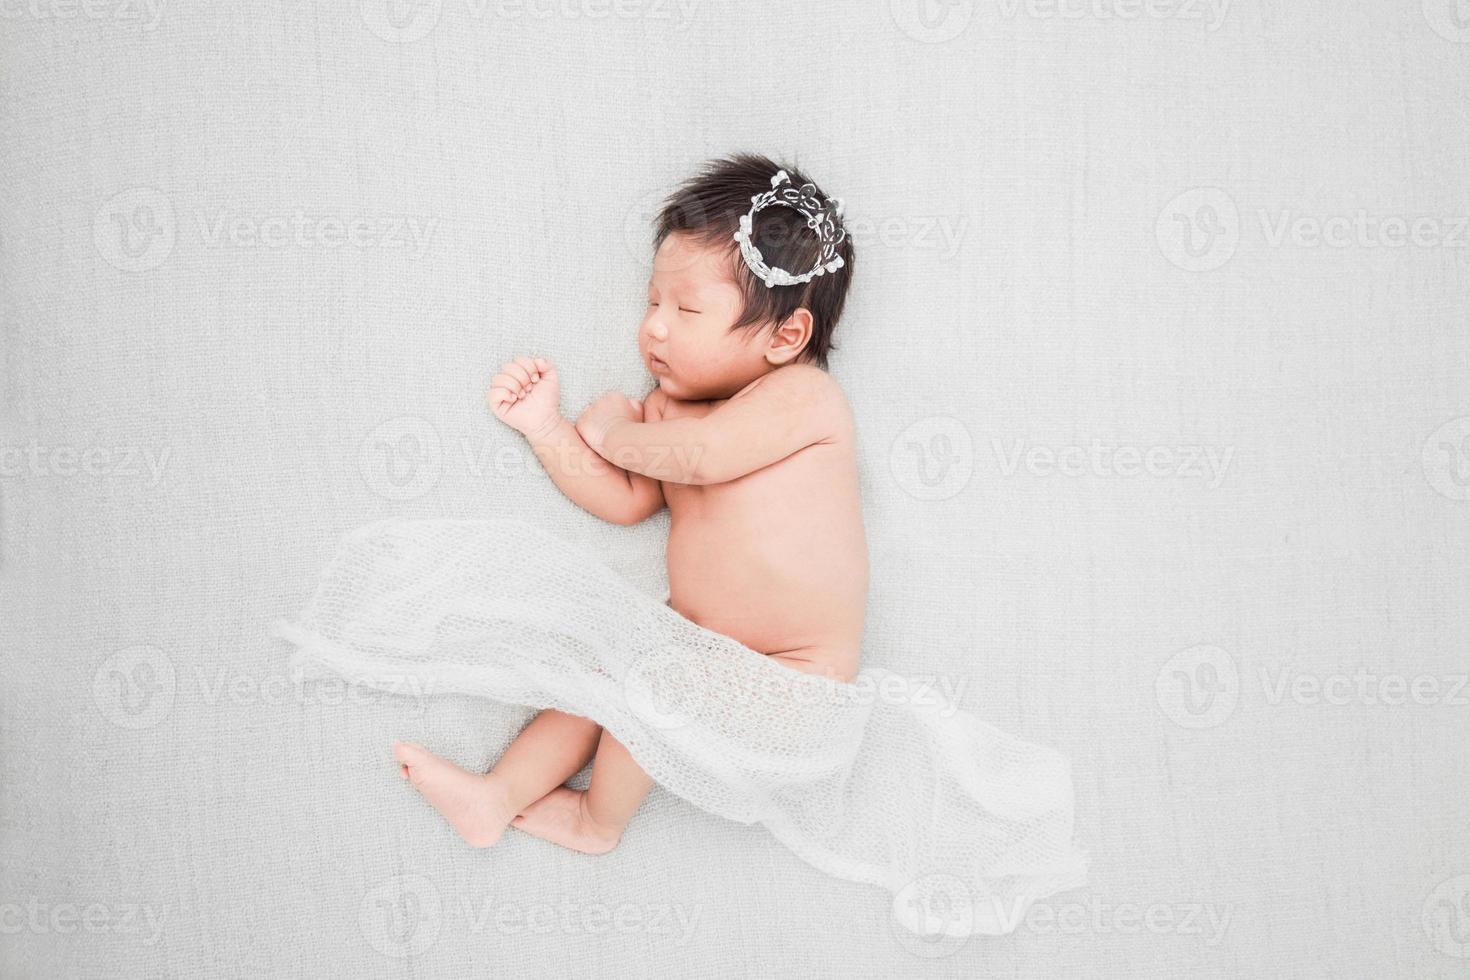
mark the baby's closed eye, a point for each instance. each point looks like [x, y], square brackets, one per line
[683, 309]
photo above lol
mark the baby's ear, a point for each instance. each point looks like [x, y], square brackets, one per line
[790, 338]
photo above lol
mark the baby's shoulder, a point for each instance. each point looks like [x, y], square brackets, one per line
[807, 382]
[806, 393]
[811, 389]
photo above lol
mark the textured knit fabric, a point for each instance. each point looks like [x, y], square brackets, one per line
[881, 780]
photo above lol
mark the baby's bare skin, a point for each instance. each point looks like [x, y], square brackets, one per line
[754, 453]
[776, 559]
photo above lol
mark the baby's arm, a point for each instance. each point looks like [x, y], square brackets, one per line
[783, 412]
[526, 395]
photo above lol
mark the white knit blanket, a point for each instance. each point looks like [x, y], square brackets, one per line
[882, 780]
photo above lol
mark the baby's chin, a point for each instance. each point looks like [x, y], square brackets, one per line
[671, 387]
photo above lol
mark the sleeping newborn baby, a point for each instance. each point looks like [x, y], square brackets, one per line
[748, 441]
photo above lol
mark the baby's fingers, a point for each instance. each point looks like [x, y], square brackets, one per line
[515, 370]
[533, 373]
[500, 399]
[509, 382]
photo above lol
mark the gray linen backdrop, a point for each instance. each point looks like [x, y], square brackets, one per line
[1158, 349]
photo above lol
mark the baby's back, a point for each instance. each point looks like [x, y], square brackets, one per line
[776, 559]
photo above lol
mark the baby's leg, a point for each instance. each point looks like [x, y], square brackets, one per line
[591, 822]
[551, 749]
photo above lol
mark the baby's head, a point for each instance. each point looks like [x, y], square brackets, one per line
[713, 325]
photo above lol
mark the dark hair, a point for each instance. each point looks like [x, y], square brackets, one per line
[709, 206]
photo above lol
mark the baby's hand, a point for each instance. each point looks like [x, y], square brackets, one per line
[603, 413]
[526, 395]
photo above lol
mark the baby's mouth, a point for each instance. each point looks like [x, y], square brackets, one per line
[657, 364]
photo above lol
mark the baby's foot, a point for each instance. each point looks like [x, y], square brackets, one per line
[476, 806]
[561, 817]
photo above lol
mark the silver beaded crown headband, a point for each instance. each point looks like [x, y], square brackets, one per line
[822, 217]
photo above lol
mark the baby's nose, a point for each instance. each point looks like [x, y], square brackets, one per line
[657, 330]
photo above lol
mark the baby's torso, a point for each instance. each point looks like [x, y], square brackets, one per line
[776, 559]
